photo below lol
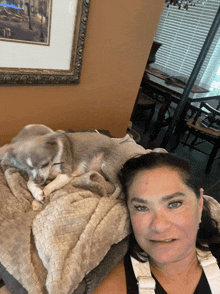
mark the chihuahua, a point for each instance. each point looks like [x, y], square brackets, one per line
[60, 156]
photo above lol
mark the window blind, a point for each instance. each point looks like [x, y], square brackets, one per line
[182, 34]
[211, 74]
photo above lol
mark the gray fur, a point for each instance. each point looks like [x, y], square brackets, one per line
[70, 154]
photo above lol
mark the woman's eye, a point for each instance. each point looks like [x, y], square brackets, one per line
[141, 208]
[175, 204]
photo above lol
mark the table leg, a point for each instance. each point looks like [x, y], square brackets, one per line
[161, 122]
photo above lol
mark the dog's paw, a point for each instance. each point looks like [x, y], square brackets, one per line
[47, 190]
[39, 195]
[36, 205]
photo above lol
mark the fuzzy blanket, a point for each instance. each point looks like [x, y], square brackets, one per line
[52, 250]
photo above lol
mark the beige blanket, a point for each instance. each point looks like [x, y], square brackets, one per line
[51, 251]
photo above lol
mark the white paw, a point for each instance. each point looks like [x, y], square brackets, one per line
[38, 194]
[36, 205]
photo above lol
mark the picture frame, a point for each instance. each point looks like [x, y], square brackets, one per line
[54, 54]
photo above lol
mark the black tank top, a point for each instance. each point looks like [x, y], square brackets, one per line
[132, 287]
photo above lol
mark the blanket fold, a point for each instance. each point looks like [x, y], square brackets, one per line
[76, 230]
[16, 220]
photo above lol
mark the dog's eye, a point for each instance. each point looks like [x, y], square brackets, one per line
[44, 165]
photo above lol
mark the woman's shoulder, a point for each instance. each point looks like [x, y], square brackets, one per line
[115, 282]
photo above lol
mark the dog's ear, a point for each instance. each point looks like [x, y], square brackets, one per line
[51, 140]
[5, 151]
[8, 159]
[6, 148]
[60, 132]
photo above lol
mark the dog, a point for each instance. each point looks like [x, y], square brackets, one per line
[59, 156]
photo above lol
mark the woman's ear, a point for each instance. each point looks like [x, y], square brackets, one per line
[201, 190]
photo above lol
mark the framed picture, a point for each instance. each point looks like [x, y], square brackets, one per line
[42, 41]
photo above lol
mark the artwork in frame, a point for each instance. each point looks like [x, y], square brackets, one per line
[42, 41]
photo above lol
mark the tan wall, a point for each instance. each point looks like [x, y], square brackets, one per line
[118, 41]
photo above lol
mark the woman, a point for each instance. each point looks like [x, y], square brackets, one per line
[172, 228]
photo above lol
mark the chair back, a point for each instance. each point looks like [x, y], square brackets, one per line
[210, 120]
[211, 109]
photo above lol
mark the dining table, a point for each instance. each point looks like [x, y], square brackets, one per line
[167, 86]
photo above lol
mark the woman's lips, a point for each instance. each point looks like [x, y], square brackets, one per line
[163, 242]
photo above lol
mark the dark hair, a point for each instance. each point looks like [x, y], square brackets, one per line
[208, 236]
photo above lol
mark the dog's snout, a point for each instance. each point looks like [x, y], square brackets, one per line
[39, 180]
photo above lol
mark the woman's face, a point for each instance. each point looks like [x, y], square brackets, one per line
[165, 214]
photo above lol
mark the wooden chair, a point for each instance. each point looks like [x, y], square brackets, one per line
[204, 125]
[143, 102]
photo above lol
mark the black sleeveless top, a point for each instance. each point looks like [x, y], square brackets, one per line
[132, 287]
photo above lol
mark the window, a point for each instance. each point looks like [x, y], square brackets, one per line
[211, 75]
[182, 34]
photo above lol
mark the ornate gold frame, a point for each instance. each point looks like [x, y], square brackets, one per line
[16, 76]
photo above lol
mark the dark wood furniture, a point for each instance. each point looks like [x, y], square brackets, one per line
[161, 88]
[204, 126]
[143, 103]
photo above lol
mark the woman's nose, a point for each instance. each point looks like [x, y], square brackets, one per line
[159, 222]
